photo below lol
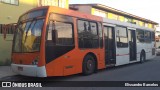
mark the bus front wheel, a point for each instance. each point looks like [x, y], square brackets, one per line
[88, 66]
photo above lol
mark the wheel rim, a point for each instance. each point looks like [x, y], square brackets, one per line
[89, 65]
[142, 58]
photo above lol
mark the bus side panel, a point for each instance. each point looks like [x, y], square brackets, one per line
[71, 63]
[122, 56]
[148, 51]
[54, 68]
[101, 60]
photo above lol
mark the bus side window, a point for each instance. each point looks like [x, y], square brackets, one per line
[140, 35]
[82, 32]
[153, 36]
[49, 29]
[87, 34]
[100, 35]
[122, 37]
[64, 33]
[147, 36]
[60, 33]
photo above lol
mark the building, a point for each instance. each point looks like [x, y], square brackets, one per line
[111, 13]
[157, 34]
[10, 11]
[59, 3]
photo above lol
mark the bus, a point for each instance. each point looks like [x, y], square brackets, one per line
[52, 41]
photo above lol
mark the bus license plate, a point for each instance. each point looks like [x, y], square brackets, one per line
[20, 68]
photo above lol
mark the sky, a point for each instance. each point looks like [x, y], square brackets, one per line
[148, 9]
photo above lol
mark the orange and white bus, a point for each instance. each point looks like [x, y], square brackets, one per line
[51, 41]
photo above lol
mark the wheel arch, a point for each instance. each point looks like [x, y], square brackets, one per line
[95, 58]
[143, 51]
[141, 54]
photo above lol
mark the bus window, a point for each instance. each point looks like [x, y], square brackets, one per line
[140, 35]
[87, 34]
[34, 14]
[64, 33]
[100, 34]
[59, 36]
[122, 40]
[50, 28]
[93, 28]
[153, 36]
[147, 36]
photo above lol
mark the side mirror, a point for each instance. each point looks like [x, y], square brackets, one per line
[54, 36]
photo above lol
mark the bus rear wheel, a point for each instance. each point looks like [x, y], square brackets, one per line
[142, 57]
[88, 66]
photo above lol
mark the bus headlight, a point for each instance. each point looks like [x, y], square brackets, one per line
[35, 61]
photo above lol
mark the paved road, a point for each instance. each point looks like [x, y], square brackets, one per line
[6, 71]
[148, 71]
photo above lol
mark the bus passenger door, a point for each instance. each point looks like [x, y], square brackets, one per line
[110, 50]
[132, 44]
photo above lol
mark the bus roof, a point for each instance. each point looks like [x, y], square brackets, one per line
[130, 25]
[68, 12]
[74, 13]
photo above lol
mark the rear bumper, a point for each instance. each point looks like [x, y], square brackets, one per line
[29, 70]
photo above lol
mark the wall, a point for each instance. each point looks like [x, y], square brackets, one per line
[5, 49]
[84, 9]
[10, 13]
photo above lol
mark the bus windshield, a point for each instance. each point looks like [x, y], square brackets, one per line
[28, 36]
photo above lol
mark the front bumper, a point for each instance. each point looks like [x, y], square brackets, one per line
[29, 70]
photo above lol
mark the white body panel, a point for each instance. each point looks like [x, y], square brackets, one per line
[122, 54]
[129, 25]
[30, 70]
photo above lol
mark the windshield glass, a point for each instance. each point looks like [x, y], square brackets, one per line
[28, 35]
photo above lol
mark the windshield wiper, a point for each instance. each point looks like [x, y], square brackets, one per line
[33, 22]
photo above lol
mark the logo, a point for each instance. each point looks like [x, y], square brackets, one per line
[6, 84]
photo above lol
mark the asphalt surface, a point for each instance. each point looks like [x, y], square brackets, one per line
[147, 71]
[6, 71]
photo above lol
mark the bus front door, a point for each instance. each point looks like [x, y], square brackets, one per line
[132, 44]
[110, 50]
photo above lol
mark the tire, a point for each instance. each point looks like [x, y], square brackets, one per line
[89, 65]
[142, 57]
